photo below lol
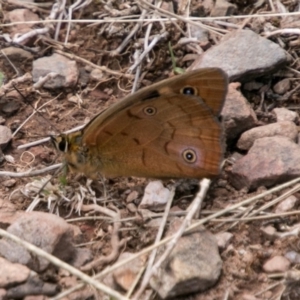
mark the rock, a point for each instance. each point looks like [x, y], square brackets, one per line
[21, 16]
[8, 158]
[127, 274]
[252, 85]
[47, 231]
[201, 34]
[168, 7]
[3, 294]
[286, 205]
[292, 231]
[223, 239]
[237, 114]
[284, 114]
[66, 70]
[8, 213]
[82, 257]
[19, 56]
[155, 222]
[247, 256]
[9, 183]
[293, 257]
[203, 8]
[271, 160]
[194, 264]
[155, 197]
[282, 86]
[14, 273]
[276, 264]
[33, 286]
[10, 108]
[286, 128]
[83, 77]
[5, 136]
[223, 8]
[243, 54]
[20, 281]
[133, 195]
[269, 232]
[10, 102]
[131, 207]
[96, 75]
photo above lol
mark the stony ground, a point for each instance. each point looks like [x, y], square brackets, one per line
[257, 239]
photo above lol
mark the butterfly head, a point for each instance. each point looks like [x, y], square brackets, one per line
[69, 144]
[60, 142]
[75, 153]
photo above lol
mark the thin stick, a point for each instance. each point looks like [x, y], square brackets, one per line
[30, 34]
[265, 217]
[30, 172]
[101, 68]
[137, 73]
[28, 145]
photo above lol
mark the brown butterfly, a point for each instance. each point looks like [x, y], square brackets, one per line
[168, 130]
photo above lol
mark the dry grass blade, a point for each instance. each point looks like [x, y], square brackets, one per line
[30, 173]
[101, 68]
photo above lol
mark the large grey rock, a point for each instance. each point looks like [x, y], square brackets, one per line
[49, 232]
[243, 54]
[194, 264]
[66, 70]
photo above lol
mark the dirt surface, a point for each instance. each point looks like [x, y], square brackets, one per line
[249, 249]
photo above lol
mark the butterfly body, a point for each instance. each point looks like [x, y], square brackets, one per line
[168, 130]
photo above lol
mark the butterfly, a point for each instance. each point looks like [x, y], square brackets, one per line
[167, 130]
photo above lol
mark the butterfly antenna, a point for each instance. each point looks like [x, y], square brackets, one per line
[35, 111]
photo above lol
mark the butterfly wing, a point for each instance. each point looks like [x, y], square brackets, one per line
[169, 130]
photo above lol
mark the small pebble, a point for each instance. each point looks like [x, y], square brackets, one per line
[282, 86]
[276, 264]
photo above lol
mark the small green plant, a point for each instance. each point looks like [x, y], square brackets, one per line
[177, 70]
